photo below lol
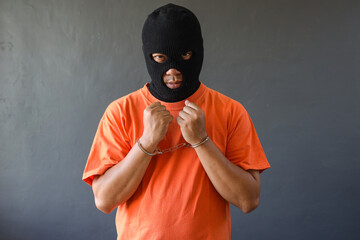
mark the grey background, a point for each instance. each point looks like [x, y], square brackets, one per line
[294, 65]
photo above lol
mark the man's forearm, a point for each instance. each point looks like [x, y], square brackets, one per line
[120, 182]
[234, 184]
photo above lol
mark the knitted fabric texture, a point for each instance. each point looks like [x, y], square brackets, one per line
[173, 30]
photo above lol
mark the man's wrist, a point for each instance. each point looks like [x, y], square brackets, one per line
[199, 143]
[147, 144]
[198, 139]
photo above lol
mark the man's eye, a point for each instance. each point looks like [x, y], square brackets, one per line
[187, 55]
[160, 58]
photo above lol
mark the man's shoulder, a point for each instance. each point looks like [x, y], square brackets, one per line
[223, 100]
[125, 101]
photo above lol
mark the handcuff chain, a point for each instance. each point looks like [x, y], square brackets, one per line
[171, 149]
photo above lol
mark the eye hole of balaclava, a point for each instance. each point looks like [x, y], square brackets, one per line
[162, 58]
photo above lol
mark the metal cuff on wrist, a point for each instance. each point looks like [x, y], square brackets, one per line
[201, 143]
[159, 151]
[156, 152]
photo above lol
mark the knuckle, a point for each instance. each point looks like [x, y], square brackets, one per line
[163, 120]
[186, 123]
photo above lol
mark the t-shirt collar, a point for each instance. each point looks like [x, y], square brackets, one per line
[174, 105]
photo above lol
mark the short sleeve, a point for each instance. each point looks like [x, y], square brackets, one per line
[110, 145]
[243, 145]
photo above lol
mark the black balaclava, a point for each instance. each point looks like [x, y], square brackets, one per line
[173, 30]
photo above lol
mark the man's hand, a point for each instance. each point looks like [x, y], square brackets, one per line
[156, 122]
[192, 123]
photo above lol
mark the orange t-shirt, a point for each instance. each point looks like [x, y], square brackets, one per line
[175, 199]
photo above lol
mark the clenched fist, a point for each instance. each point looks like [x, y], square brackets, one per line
[156, 122]
[192, 123]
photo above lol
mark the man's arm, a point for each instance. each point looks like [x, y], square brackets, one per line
[120, 182]
[234, 184]
[239, 187]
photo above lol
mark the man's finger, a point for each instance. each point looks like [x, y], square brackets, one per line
[179, 120]
[155, 104]
[184, 115]
[189, 110]
[168, 116]
[192, 105]
[165, 113]
[159, 108]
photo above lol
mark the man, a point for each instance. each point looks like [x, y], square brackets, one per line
[172, 155]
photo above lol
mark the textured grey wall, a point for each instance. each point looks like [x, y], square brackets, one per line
[293, 64]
